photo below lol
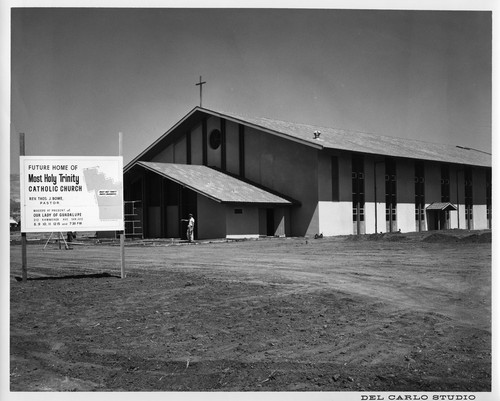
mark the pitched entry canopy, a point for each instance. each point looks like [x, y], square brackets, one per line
[214, 184]
[442, 206]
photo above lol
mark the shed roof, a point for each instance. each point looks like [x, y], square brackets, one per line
[214, 184]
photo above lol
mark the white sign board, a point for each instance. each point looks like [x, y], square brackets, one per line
[71, 193]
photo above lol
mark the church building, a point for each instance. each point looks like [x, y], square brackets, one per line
[246, 177]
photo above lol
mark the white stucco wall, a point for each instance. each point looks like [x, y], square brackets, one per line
[335, 218]
[381, 224]
[479, 217]
[406, 217]
[461, 217]
[370, 217]
[453, 220]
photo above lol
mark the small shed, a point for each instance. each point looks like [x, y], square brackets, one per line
[436, 214]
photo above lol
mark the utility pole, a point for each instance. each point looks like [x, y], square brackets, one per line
[200, 84]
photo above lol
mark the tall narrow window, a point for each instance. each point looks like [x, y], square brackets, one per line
[335, 178]
[419, 194]
[390, 194]
[445, 183]
[358, 190]
[445, 189]
[468, 197]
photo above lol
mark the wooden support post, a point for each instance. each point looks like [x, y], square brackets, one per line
[122, 254]
[122, 234]
[24, 257]
[24, 241]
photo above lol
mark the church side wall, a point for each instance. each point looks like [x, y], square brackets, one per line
[405, 189]
[459, 195]
[454, 185]
[334, 208]
[244, 224]
[335, 218]
[334, 211]
[369, 195]
[479, 199]
[288, 168]
[432, 183]
[479, 186]
[345, 182]
[480, 219]
[325, 184]
[305, 174]
[211, 218]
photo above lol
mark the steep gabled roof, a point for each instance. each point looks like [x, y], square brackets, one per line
[330, 138]
[214, 184]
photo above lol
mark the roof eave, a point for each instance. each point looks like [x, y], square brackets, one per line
[260, 127]
[159, 140]
[245, 203]
[399, 156]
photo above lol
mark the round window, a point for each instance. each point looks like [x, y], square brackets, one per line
[215, 139]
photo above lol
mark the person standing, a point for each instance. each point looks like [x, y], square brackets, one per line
[190, 228]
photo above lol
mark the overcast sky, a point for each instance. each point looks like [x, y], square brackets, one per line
[80, 76]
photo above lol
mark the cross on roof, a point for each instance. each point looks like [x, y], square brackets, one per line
[200, 84]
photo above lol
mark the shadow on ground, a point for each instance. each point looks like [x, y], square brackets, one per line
[73, 276]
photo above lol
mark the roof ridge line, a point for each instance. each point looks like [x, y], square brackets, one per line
[348, 130]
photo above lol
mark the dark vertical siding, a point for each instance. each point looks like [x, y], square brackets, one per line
[204, 142]
[242, 150]
[223, 144]
[188, 147]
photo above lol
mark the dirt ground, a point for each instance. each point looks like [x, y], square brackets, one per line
[392, 312]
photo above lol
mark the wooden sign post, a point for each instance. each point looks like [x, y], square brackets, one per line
[122, 234]
[84, 216]
[24, 263]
